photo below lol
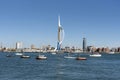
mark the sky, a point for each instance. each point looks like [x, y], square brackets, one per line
[36, 22]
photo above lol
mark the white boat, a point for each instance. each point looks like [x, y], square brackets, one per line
[111, 52]
[19, 54]
[25, 56]
[95, 55]
[41, 57]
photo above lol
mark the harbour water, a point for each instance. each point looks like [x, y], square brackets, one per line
[56, 67]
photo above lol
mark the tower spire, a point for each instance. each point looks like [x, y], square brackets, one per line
[59, 21]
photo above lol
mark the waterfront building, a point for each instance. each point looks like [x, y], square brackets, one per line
[84, 45]
[60, 35]
[19, 45]
[118, 49]
[99, 50]
[106, 50]
[91, 49]
[33, 46]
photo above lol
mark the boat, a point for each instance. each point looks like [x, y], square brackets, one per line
[81, 58]
[19, 54]
[95, 55]
[111, 52]
[25, 56]
[41, 57]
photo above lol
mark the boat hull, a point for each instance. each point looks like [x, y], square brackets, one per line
[25, 56]
[19, 54]
[41, 58]
[94, 55]
[81, 58]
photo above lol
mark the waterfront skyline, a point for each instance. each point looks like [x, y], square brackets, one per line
[36, 22]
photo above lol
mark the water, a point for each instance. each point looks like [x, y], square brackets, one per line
[56, 67]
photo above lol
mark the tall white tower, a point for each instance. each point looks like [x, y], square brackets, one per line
[60, 35]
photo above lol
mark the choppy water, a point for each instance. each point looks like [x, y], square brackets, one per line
[56, 67]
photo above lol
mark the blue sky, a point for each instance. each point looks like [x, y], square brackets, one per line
[36, 22]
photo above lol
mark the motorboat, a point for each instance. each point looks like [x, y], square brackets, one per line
[41, 57]
[81, 58]
[111, 52]
[18, 54]
[25, 56]
[95, 55]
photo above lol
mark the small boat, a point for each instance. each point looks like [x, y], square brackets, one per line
[24, 56]
[111, 52]
[41, 57]
[81, 58]
[18, 54]
[95, 55]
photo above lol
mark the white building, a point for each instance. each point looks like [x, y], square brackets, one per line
[19, 45]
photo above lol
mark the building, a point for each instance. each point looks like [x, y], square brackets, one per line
[84, 45]
[91, 49]
[19, 45]
[32, 46]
